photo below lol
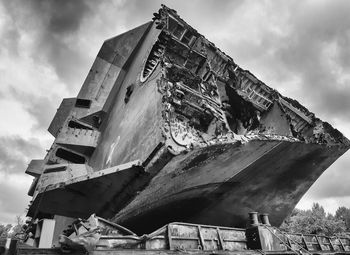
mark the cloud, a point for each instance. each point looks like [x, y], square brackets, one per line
[309, 45]
[9, 35]
[16, 153]
[40, 107]
[52, 27]
[10, 40]
[319, 35]
[334, 182]
[13, 198]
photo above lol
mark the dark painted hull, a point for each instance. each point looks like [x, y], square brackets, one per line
[184, 110]
[220, 184]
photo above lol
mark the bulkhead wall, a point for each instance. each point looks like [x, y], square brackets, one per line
[132, 129]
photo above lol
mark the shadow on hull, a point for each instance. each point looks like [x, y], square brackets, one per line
[272, 179]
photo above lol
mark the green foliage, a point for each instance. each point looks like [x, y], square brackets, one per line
[316, 221]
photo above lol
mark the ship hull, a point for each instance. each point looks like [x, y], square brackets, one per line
[212, 141]
[220, 184]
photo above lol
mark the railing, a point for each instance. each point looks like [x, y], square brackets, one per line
[313, 243]
[295, 110]
[182, 237]
[259, 99]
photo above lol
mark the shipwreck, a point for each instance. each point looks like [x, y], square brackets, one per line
[167, 127]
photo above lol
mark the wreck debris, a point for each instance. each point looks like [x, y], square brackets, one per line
[87, 234]
[97, 234]
[168, 127]
[82, 235]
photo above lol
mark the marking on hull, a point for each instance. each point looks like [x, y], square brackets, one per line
[111, 151]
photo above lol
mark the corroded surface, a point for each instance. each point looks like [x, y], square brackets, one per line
[213, 140]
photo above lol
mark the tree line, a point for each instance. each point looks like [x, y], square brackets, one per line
[317, 221]
[9, 230]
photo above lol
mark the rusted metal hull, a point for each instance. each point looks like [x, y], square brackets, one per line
[220, 184]
[84, 194]
[213, 141]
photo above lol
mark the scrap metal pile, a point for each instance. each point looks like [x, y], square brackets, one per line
[97, 234]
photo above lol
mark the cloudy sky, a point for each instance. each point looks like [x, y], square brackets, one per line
[301, 48]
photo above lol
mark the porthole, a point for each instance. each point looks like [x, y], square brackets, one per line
[152, 61]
